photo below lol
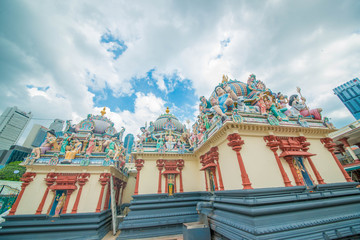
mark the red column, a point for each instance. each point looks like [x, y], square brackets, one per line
[215, 179]
[298, 181]
[122, 191]
[104, 178]
[49, 209]
[215, 157]
[236, 143]
[26, 179]
[175, 183]
[180, 165]
[81, 180]
[139, 163]
[107, 198]
[159, 165]
[305, 147]
[68, 194]
[50, 179]
[118, 188]
[328, 143]
[274, 146]
[166, 183]
[206, 181]
[317, 174]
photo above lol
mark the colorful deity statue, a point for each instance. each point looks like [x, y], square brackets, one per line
[49, 142]
[204, 106]
[226, 98]
[271, 108]
[65, 143]
[282, 101]
[75, 150]
[91, 144]
[298, 107]
[111, 146]
[170, 141]
[145, 134]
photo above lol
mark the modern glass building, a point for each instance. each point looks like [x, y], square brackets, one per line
[12, 123]
[349, 94]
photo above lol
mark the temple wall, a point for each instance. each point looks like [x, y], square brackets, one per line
[149, 176]
[325, 163]
[129, 190]
[193, 178]
[32, 195]
[89, 198]
[90, 194]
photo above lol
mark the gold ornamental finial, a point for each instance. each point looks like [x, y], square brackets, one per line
[103, 112]
[225, 78]
[167, 110]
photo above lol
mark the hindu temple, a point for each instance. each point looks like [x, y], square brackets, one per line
[255, 164]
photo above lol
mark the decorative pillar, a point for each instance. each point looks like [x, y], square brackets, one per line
[348, 149]
[26, 179]
[159, 165]
[214, 154]
[50, 179]
[305, 147]
[180, 165]
[83, 178]
[166, 183]
[215, 179]
[206, 181]
[328, 143]
[273, 143]
[298, 181]
[104, 179]
[236, 143]
[107, 198]
[139, 163]
[68, 194]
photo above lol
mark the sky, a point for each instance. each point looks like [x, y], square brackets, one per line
[67, 59]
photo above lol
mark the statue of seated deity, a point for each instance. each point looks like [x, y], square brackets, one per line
[49, 142]
[299, 108]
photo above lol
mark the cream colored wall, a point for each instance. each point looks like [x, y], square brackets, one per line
[32, 195]
[34, 192]
[90, 194]
[325, 163]
[191, 176]
[259, 161]
[149, 176]
[129, 189]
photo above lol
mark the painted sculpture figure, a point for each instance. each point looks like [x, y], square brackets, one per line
[49, 142]
[298, 107]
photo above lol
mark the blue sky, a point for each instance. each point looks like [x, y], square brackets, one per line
[66, 59]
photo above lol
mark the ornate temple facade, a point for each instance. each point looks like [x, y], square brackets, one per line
[255, 165]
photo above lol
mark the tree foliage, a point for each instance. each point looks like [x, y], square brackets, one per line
[7, 173]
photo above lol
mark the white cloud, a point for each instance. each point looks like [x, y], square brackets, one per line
[285, 43]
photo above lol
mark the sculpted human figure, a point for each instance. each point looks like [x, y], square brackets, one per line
[205, 105]
[225, 97]
[110, 146]
[72, 153]
[298, 107]
[50, 140]
[91, 146]
[65, 143]
[60, 204]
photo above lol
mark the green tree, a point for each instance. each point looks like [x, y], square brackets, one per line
[7, 173]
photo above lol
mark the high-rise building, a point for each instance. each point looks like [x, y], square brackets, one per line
[12, 123]
[128, 143]
[36, 136]
[57, 125]
[349, 94]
